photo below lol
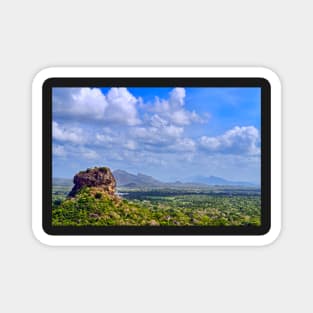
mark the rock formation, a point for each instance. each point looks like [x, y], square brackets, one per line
[99, 177]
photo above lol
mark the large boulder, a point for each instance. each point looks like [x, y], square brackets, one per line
[100, 177]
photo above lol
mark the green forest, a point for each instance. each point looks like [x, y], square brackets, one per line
[209, 206]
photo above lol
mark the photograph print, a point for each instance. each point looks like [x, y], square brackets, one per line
[156, 156]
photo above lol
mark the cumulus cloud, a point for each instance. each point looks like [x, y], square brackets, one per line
[155, 134]
[74, 135]
[118, 106]
[173, 111]
[162, 128]
[238, 140]
[159, 131]
[79, 102]
[122, 107]
[177, 97]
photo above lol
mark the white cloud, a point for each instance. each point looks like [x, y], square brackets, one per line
[172, 131]
[122, 107]
[118, 106]
[90, 101]
[177, 97]
[79, 102]
[157, 135]
[104, 138]
[172, 110]
[238, 140]
[180, 117]
[158, 130]
[157, 122]
[74, 135]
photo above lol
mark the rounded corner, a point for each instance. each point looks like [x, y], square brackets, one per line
[270, 76]
[42, 76]
[41, 235]
[271, 236]
[47, 82]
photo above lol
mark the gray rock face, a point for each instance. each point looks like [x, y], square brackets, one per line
[100, 177]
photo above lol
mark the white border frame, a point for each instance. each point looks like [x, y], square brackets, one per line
[202, 240]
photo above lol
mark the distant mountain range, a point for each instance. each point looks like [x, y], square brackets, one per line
[126, 179]
[214, 180]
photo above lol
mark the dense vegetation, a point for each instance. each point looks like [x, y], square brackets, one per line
[172, 207]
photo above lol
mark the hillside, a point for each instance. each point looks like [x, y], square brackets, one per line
[124, 178]
[93, 200]
[92, 206]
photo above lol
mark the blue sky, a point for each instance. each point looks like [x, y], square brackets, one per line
[169, 133]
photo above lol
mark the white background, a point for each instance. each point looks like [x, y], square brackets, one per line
[38, 278]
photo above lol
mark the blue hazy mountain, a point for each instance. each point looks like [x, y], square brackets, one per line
[126, 179]
[215, 180]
